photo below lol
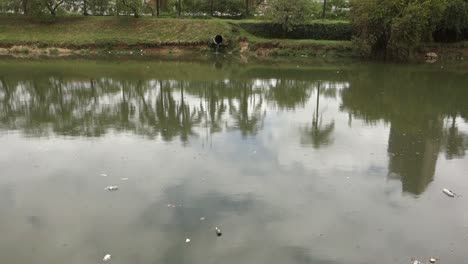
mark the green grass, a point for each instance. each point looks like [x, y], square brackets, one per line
[109, 31]
[128, 33]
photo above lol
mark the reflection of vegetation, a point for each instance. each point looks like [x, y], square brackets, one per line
[248, 113]
[288, 94]
[154, 108]
[456, 142]
[318, 135]
[415, 104]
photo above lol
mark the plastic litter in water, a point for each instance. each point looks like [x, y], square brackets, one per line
[103, 175]
[107, 257]
[187, 240]
[112, 188]
[202, 218]
[432, 260]
[218, 231]
[448, 192]
[124, 179]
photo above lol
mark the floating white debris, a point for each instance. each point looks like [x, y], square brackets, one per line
[107, 257]
[103, 175]
[416, 262]
[448, 192]
[187, 240]
[112, 188]
[202, 218]
[124, 179]
[218, 231]
[432, 260]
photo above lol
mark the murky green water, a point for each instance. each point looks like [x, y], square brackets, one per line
[296, 163]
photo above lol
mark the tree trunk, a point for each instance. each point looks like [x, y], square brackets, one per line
[85, 8]
[324, 8]
[179, 7]
[247, 4]
[157, 7]
[25, 6]
[211, 7]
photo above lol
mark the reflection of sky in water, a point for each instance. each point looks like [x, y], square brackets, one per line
[277, 198]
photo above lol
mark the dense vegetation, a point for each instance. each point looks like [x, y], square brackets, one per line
[317, 29]
[389, 29]
[396, 28]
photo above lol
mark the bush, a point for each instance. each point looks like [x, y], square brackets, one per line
[313, 30]
[392, 28]
[454, 24]
[289, 14]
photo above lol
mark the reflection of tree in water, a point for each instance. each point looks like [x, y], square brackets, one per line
[455, 142]
[152, 108]
[289, 94]
[416, 112]
[318, 134]
[247, 114]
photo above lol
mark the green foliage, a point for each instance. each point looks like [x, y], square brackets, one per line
[133, 7]
[101, 7]
[312, 30]
[14, 6]
[336, 9]
[288, 13]
[394, 28]
[454, 24]
[46, 10]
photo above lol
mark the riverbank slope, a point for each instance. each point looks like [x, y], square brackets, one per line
[148, 35]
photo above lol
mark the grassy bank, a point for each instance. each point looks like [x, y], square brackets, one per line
[71, 35]
[127, 33]
[108, 32]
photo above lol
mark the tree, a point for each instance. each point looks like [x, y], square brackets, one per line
[289, 13]
[41, 7]
[324, 8]
[25, 5]
[318, 135]
[158, 7]
[394, 28]
[132, 6]
[454, 22]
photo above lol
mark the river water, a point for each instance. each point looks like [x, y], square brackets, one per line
[301, 162]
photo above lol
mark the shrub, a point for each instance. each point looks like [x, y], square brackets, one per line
[313, 30]
[289, 14]
[454, 24]
[394, 28]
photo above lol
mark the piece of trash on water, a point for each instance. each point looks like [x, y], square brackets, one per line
[103, 175]
[187, 240]
[218, 231]
[107, 257]
[112, 188]
[124, 179]
[202, 218]
[432, 260]
[448, 192]
[416, 262]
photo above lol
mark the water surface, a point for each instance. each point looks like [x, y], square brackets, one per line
[296, 163]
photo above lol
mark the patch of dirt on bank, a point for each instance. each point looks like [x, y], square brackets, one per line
[32, 51]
